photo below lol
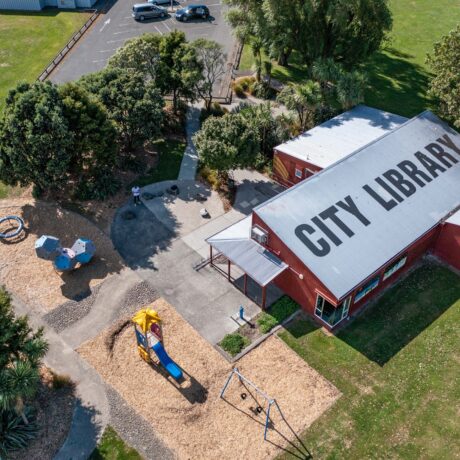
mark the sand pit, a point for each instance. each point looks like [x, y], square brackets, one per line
[191, 418]
[34, 280]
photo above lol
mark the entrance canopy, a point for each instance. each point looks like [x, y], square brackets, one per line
[257, 262]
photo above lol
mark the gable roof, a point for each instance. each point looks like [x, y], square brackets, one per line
[303, 216]
[336, 138]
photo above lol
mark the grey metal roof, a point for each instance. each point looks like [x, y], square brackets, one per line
[367, 248]
[336, 138]
[235, 243]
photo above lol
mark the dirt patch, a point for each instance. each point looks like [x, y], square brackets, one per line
[54, 416]
[34, 280]
[190, 417]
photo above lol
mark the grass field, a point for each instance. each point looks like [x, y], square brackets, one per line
[398, 75]
[398, 369]
[112, 447]
[29, 40]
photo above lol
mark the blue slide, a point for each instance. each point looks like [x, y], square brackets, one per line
[166, 361]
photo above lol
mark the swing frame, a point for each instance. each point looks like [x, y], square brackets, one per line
[271, 401]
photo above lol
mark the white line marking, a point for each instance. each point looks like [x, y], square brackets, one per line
[106, 23]
[166, 25]
[123, 32]
[108, 51]
[119, 40]
[100, 60]
[124, 25]
[158, 30]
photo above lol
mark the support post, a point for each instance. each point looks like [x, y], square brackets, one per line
[226, 383]
[267, 419]
[229, 265]
[210, 254]
[245, 283]
[264, 296]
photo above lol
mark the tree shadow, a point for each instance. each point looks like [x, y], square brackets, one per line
[396, 84]
[402, 313]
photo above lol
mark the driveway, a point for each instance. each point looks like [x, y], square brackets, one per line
[116, 25]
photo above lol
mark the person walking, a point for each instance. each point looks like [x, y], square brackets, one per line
[136, 191]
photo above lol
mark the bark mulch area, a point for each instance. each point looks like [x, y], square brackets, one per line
[34, 280]
[190, 417]
[54, 416]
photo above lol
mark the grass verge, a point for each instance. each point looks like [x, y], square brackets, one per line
[112, 447]
[397, 367]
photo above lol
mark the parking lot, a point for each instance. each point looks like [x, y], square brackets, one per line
[116, 25]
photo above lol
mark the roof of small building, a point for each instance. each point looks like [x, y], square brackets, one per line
[347, 221]
[336, 138]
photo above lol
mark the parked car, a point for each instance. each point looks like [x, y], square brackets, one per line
[160, 2]
[143, 11]
[192, 12]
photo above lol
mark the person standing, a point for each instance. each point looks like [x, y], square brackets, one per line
[136, 191]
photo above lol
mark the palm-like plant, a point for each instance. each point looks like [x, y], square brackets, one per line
[268, 67]
[256, 46]
[350, 89]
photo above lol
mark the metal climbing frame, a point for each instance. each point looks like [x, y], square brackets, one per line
[270, 400]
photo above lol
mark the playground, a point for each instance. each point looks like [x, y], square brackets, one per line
[189, 415]
[35, 280]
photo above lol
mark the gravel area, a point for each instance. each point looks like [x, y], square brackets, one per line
[134, 429]
[137, 297]
[70, 312]
[190, 417]
[34, 280]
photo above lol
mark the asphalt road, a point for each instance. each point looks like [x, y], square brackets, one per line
[116, 25]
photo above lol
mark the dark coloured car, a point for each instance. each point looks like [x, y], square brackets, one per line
[192, 12]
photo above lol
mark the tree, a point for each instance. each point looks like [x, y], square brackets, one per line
[141, 54]
[303, 99]
[211, 59]
[350, 89]
[256, 47]
[226, 143]
[347, 31]
[182, 70]
[445, 84]
[268, 66]
[21, 351]
[135, 106]
[36, 144]
[95, 150]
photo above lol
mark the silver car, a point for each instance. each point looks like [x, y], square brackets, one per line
[143, 11]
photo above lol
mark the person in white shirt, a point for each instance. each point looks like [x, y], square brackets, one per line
[136, 191]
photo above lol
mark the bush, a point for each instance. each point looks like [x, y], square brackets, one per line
[239, 91]
[245, 82]
[216, 110]
[14, 433]
[98, 188]
[59, 381]
[278, 312]
[210, 176]
[234, 343]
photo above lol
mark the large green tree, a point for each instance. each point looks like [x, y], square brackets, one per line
[21, 351]
[346, 30]
[445, 84]
[134, 105]
[226, 143]
[36, 144]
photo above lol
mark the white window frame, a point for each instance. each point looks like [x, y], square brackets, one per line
[394, 267]
[359, 296]
[346, 308]
[298, 173]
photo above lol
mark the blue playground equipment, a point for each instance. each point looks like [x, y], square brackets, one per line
[166, 361]
[64, 259]
[13, 233]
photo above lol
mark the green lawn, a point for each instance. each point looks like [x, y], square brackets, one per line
[171, 152]
[398, 74]
[398, 369]
[111, 447]
[29, 40]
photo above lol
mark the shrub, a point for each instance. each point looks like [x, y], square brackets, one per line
[98, 188]
[278, 312]
[239, 91]
[14, 432]
[211, 177]
[59, 381]
[234, 343]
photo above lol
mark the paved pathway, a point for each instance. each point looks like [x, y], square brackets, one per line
[190, 159]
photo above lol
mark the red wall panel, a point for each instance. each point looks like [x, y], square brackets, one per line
[284, 167]
[447, 246]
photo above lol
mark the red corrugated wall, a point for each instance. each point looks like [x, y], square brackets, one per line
[447, 246]
[284, 168]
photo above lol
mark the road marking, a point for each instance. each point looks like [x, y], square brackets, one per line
[158, 30]
[124, 32]
[119, 40]
[166, 25]
[108, 51]
[124, 25]
[100, 60]
[106, 23]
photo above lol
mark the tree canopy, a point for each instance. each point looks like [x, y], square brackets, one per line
[346, 30]
[445, 84]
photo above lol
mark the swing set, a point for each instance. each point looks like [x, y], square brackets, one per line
[269, 402]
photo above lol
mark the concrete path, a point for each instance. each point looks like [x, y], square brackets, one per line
[190, 160]
[91, 414]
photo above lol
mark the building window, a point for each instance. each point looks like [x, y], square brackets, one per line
[394, 267]
[368, 287]
[298, 173]
[329, 313]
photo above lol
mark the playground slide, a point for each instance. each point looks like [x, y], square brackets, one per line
[166, 361]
